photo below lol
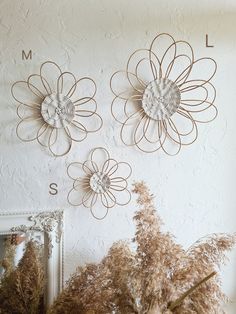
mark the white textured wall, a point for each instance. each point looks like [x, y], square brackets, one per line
[195, 190]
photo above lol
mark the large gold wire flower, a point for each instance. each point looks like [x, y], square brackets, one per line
[100, 181]
[55, 108]
[162, 94]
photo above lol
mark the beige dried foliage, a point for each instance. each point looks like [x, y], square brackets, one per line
[7, 263]
[21, 291]
[156, 277]
[100, 288]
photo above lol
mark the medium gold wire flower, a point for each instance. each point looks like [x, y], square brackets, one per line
[162, 94]
[101, 181]
[55, 108]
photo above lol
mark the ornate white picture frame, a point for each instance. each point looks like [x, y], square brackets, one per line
[50, 224]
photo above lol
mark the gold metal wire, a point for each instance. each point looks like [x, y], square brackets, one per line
[44, 128]
[82, 184]
[166, 129]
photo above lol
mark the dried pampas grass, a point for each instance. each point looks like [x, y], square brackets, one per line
[21, 290]
[158, 277]
[7, 263]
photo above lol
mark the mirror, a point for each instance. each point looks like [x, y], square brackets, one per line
[12, 248]
[36, 239]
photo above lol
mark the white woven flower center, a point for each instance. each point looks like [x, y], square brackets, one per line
[57, 110]
[100, 182]
[161, 99]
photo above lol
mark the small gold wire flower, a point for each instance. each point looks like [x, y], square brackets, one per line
[55, 108]
[101, 181]
[162, 94]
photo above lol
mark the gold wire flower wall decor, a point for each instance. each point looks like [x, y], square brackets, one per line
[100, 181]
[162, 94]
[55, 108]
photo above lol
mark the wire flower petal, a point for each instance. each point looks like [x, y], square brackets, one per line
[162, 95]
[100, 181]
[60, 108]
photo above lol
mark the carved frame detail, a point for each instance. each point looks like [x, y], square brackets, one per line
[50, 224]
